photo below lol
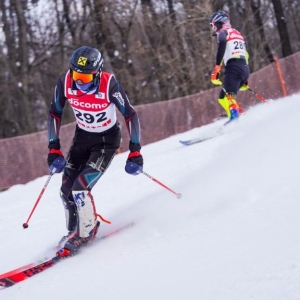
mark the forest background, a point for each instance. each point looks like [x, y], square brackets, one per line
[158, 49]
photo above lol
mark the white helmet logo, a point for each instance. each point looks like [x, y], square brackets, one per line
[97, 60]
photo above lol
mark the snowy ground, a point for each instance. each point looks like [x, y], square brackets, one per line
[234, 235]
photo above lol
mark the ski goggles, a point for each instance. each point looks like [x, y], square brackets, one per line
[82, 78]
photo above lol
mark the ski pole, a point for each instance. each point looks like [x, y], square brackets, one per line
[56, 167]
[231, 100]
[134, 169]
[229, 97]
[25, 225]
[155, 180]
[261, 98]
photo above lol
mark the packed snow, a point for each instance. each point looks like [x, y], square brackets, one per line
[232, 236]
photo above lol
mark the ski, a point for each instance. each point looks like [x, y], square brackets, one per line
[15, 277]
[196, 140]
[20, 274]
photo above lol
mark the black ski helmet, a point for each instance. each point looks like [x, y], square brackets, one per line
[87, 60]
[217, 19]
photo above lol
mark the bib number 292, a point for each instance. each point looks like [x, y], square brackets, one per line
[89, 118]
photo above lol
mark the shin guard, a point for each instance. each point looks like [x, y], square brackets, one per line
[86, 212]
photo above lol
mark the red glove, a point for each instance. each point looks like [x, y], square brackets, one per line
[215, 75]
[136, 157]
[54, 152]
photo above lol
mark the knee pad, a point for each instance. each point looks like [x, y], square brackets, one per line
[70, 212]
[86, 212]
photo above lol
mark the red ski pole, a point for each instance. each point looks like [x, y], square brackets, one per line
[25, 225]
[158, 182]
[56, 167]
[135, 169]
[261, 98]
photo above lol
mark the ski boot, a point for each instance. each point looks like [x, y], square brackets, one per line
[74, 242]
[234, 114]
[64, 239]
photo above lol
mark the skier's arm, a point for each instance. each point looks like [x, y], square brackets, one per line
[222, 40]
[118, 97]
[56, 109]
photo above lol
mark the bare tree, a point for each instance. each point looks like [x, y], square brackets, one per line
[159, 50]
[259, 25]
[282, 28]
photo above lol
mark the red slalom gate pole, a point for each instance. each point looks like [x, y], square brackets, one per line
[158, 182]
[25, 225]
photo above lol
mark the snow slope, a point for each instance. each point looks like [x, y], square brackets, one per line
[233, 235]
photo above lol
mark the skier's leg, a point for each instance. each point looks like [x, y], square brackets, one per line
[227, 98]
[102, 151]
[81, 191]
